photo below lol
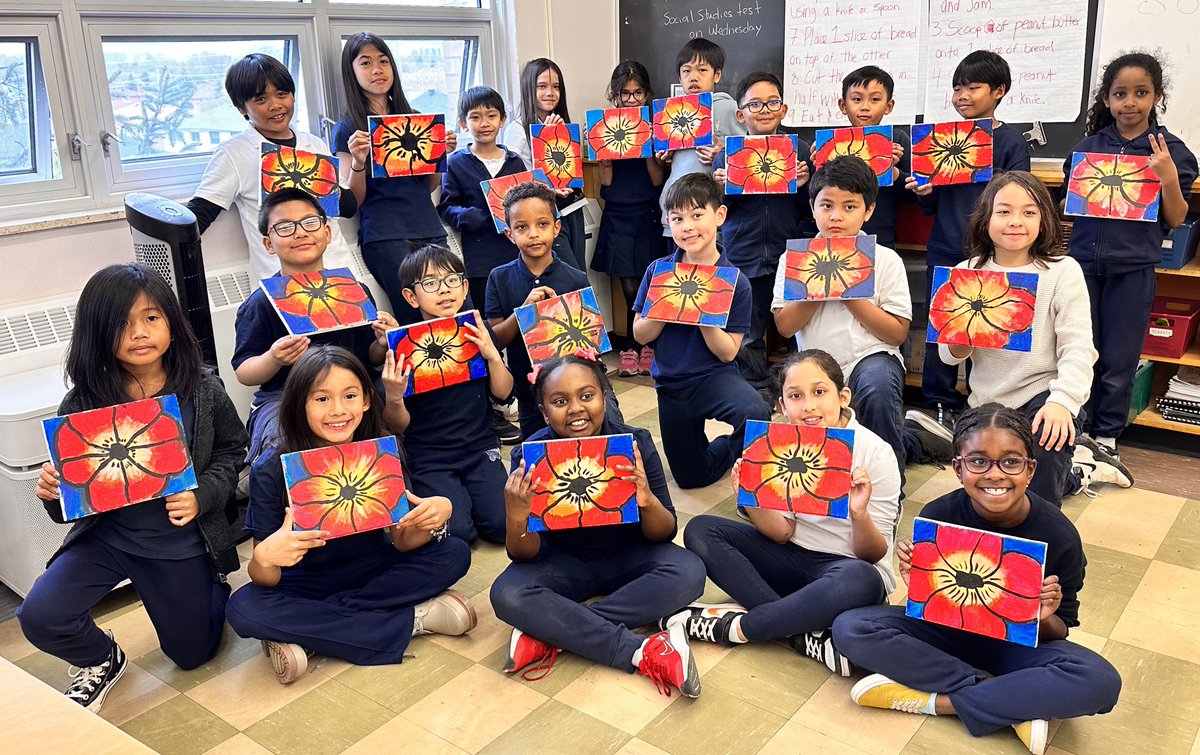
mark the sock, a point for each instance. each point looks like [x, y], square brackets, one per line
[637, 656]
[929, 709]
[735, 626]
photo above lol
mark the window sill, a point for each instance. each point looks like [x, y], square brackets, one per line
[91, 217]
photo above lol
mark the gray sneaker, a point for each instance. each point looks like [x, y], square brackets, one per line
[934, 444]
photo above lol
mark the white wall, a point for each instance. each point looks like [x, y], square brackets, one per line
[580, 37]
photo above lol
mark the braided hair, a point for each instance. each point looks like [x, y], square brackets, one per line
[991, 415]
[546, 369]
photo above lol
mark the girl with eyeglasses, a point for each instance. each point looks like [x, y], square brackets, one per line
[630, 228]
[1015, 229]
[990, 684]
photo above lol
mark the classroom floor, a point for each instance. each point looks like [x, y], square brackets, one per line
[1141, 609]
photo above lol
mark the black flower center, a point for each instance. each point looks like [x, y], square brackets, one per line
[436, 351]
[119, 452]
[977, 305]
[689, 288]
[579, 486]
[348, 492]
[827, 268]
[797, 465]
[682, 122]
[1111, 180]
[968, 580]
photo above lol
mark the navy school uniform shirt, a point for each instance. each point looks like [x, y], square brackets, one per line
[465, 209]
[264, 516]
[594, 542]
[394, 208]
[952, 205]
[258, 326]
[758, 226]
[882, 223]
[631, 185]
[507, 288]
[1045, 523]
[1109, 247]
[144, 529]
[453, 420]
[681, 357]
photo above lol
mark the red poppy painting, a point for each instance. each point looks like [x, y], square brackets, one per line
[1113, 186]
[407, 145]
[796, 468]
[977, 581]
[438, 353]
[494, 190]
[562, 325]
[119, 455]
[619, 133]
[760, 164]
[955, 152]
[683, 122]
[576, 482]
[558, 151]
[871, 144]
[690, 294]
[320, 302]
[346, 489]
[986, 309]
[823, 268]
[287, 168]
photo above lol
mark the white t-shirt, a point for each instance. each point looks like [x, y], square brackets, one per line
[830, 535]
[234, 175]
[835, 330]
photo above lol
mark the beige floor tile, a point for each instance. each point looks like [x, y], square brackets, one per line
[794, 738]
[626, 701]
[551, 726]
[325, 721]
[637, 401]
[915, 476]
[1112, 578]
[1092, 642]
[487, 561]
[771, 676]
[1159, 681]
[708, 655]
[50, 670]
[245, 550]
[329, 667]
[940, 735]
[137, 692]
[233, 652]
[249, 692]
[398, 686]
[238, 579]
[239, 745]
[402, 735]
[831, 712]
[636, 746]
[482, 641]
[1128, 729]
[939, 484]
[1181, 546]
[133, 632]
[699, 500]
[715, 722]
[474, 708]
[1164, 614]
[1074, 506]
[1196, 744]
[179, 726]
[1130, 520]
[567, 668]
[13, 645]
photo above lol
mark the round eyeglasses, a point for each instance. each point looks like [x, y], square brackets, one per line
[771, 106]
[432, 285]
[288, 227]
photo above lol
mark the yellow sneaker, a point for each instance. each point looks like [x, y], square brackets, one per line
[1034, 734]
[877, 691]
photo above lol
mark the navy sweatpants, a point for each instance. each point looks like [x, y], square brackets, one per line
[474, 483]
[641, 583]
[723, 395]
[1120, 310]
[1057, 679]
[1051, 479]
[361, 612]
[752, 356]
[788, 589]
[939, 381]
[184, 599]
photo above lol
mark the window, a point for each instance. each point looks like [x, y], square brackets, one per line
[434, 72]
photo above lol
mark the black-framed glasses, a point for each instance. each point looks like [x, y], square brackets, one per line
[288, 227]
[771, 106]
[636, 95]
[432, 285]
[983, 464]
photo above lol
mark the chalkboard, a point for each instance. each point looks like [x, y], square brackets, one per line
[751, 33]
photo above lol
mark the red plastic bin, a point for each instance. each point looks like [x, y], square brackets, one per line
[1172, 327]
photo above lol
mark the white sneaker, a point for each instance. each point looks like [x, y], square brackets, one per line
[930, 425]
[1034, 734]
[1107, 466]
[288, 660]
[450, 613]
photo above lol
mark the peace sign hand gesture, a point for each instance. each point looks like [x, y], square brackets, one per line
[1160, 160]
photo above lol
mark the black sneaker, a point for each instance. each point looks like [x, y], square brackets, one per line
[935, 446]
[92, 684]
[819, 646]
[706, 622]
[941, 423]
[508, 433]
[1105, 466]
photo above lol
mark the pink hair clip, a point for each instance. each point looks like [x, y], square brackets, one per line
[587, 352]
[533, 374]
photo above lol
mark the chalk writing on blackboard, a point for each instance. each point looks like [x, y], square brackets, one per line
[737, 19]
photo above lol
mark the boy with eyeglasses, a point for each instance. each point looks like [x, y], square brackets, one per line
[758, 226]
[294, 229]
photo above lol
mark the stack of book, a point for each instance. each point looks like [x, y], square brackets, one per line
[1181, 403]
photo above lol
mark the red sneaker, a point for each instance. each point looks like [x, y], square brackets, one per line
[668, 661]
[629, 364]
[524, 650]
[645, 360]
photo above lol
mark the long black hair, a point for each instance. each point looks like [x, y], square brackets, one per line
[100, 320]
[357, 107]
[529, 98]
[312, 367]
[1099, 114]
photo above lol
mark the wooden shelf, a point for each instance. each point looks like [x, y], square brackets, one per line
[1151, 418]
[1190, 270]
[1190, 357]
